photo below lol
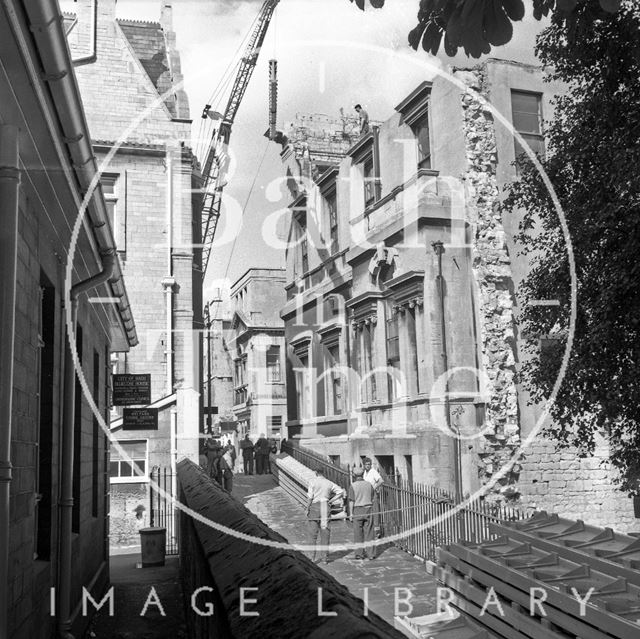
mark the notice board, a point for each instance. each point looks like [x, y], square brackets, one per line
[131, 390]
[140, 419]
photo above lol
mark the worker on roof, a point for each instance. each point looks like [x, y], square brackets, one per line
[364, 119]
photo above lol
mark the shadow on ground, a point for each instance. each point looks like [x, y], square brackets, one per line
[132, 589]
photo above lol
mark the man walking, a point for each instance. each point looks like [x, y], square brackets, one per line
[319, 515]
[246, 446]
[360, 513]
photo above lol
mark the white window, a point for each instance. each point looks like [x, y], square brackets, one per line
[122, 468]
[114, 199]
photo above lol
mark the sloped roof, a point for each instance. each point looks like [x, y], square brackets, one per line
[148, 42]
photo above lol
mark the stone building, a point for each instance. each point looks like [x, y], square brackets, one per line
[218, 376]
[401, 318]
[54, 448]
[256, 345]
[151, 186]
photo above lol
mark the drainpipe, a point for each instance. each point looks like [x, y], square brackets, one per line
[438, 247]
[9, 189]
[168, 281]
[93, 37]
[65, 504]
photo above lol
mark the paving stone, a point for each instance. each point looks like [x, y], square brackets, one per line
[392, 568]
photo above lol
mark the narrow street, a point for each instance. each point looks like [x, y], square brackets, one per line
[132, 587]
[391, 569]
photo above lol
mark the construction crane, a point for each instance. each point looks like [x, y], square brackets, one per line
[217, 158]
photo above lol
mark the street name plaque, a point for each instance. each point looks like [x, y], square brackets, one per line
[140, 419]
[131, 389]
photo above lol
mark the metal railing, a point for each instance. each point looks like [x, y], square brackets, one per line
[336, 473]
[163, 513]
[420, 517]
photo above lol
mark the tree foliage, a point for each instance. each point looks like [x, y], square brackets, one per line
[477, 25]
[593, 162]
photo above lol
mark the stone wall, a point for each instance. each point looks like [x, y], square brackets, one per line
[123, 521]
[492, 273]
[320, 138]
[30, 577]
[160, 265]
[542, 478]
[559, 481]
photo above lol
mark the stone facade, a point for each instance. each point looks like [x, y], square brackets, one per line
[57, 532]
[372, 303]
[151, 184]
[221, 370]
[256, 346]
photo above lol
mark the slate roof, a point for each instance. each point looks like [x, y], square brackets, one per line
[148, 42]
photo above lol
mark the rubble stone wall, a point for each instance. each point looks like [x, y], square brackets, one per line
[543, 478]
[492, 274]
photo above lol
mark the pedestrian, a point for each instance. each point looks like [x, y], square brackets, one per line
[210, 450]
[246, 447]
[226, 468]
[319, 494]
[214, 465]
[273, 450]
[363, 116]
[261, 450]
[375, 479]
[204, 460]
[232, 451]
[360, 498]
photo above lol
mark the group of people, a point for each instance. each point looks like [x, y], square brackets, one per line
[259, 451]
[219, 461]
[363, 510]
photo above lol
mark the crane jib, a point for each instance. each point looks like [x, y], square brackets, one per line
[213, 176]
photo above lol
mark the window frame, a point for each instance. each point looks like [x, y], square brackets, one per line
[528, 136]
[113, 191]
[330, 205]
[274, 372]
[423, 123]
[134, 478]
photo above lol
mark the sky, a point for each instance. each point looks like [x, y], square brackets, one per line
[330, 55]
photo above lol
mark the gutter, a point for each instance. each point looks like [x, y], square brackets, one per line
[9, 212]
[46, 23]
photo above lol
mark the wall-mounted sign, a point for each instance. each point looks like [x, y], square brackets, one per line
[140, 419]
[131, 390]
